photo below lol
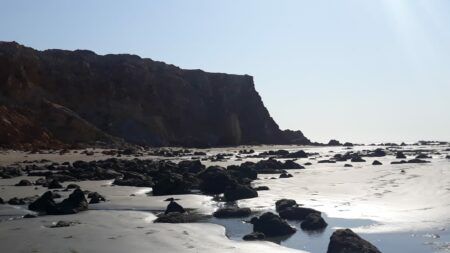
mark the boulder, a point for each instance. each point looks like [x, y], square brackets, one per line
[346, 241]
[16, 201]
[2, 201]
[95, 198]
[254, 236]
[423, 156]
[417, 161]
[171, 183]
[376, 162]
[238, 191]
[296, 154]
[24, 182]
[76, 202]
[348, 165]
[177, 218]
[284, 203]
[285, 175]
[44, 204]
[262, 188]
[357, 159]
[174, 207]
[333, 142]
[232, 212]
[296, 213]
[243, 171]
[194, 166]
[272, 225]
[215, 180]
[400, 155]
[134, 179]
[54, 185]
[313, 221]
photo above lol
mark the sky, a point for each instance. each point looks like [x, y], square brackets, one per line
[353, 70]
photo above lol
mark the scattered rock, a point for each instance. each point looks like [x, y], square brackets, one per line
[272, 225]
[238, 191]
[61, 224]
[54, 185]
[95, 198]
[232, 212]
[376, 162]
[313, 221]
[262, 188]
[284, 203]
[346, 241]
[16, 201]
[72, 186]
[296, 213]
[254, 236]
[24, 182]
[215, 180]
[285, 175]
[174, 207]
[400, 155]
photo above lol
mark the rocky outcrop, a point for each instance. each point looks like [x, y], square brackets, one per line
[56, 97]
[346, 241]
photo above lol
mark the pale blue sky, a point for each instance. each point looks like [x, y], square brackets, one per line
[355, 70]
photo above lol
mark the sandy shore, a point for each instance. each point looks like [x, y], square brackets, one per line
[417, 199]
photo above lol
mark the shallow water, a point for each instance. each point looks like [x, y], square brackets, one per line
[317, 242]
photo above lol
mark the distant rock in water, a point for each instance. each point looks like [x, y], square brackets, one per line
[56, 97]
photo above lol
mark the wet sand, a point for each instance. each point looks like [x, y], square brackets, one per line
[394, 210]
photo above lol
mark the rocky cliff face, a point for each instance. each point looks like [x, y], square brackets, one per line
[81, 97]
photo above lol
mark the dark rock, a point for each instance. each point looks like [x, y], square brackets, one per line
[348, 144]
[296, 154]
[24, 182]
[171, 183]
[54, 185]
[284, 203]
[346, 241]
[262, 188]
[215, 180]
[308, 164]
[236, 192]
[44, 204]
[194, 166]
[76, 202]
[243, 171]
[417, 161]
[41, 181]
[177, 218]
[16, 201]
[376, 162]
[61, 224]
[72, 186]
[313, 221]
[254, 236]
[134, 179]
[357, 159]
[10, 172]
[378, 153]
[272, 225]
[399, 162]
[326, 161]
[348, 165]
[174, 207]
[296, 213]
[2, 201]
[423, 156]
[95, 198]
[29, 216]
[334, 143]
[285, 175]
[400, 155]
[232, 212]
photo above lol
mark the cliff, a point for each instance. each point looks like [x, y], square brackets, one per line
[55, 97]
